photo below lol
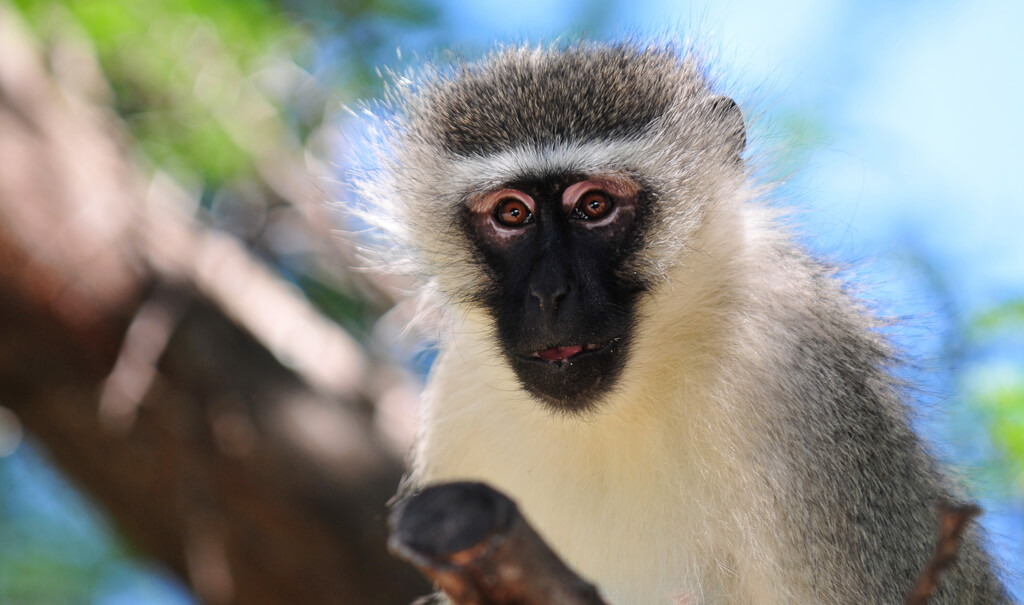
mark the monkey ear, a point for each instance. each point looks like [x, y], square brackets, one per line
[724, 111]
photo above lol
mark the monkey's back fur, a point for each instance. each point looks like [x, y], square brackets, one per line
[755, 449]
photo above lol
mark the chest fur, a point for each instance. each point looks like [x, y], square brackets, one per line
[631, 502]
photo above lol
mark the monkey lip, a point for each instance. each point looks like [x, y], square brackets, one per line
[555, 354]
[570, 377]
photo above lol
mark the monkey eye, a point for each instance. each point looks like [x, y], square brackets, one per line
[600, 200]
[513, 212]
[593, 205]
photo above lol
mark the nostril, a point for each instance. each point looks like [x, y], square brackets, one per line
[549, 298]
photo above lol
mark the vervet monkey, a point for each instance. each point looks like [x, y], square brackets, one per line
[686, 405]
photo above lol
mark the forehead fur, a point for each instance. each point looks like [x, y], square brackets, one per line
[547, 97]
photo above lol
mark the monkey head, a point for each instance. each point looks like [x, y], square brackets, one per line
[552, 190]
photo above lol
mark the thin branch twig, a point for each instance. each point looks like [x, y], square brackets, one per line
[952, 522]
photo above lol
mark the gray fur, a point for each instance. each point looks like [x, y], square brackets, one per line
[779, 374]
[860, 491]
[593, 96]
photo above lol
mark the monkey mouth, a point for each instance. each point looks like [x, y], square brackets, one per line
[564, 353]
[571, 378]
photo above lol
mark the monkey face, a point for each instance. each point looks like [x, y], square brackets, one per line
[556, 249]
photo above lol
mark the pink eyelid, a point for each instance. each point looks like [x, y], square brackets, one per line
[487, 203]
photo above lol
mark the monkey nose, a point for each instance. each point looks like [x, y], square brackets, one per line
[550, 297]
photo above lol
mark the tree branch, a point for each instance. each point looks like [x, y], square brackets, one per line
[473, 543]
[145, 351]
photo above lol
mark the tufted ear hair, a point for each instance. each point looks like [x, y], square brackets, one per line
[724, 111]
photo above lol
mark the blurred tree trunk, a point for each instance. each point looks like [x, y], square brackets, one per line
[134, 345]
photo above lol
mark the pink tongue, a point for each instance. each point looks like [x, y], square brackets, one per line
[559, 353]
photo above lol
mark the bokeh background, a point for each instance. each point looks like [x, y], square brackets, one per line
[892, 129]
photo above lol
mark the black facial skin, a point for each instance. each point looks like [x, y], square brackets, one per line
[558, 282]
